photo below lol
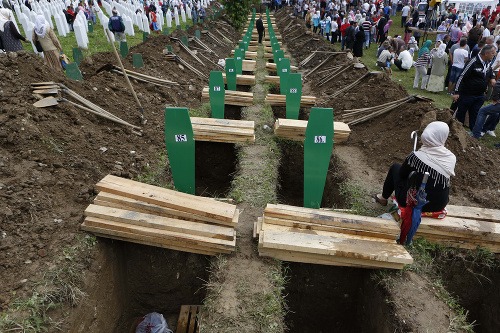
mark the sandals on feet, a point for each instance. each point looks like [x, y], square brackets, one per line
[380, 200]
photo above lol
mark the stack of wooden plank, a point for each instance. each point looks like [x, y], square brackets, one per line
[232, 97]
[249, 65]
[223, 130]
[464, 227]
[140, 213]
[272, 79]
[280, 100]
[242, 80]
[270, 66]
[253, 55]
[293, 129]
[329, 238]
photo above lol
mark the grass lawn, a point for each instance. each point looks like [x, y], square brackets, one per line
[441, 100]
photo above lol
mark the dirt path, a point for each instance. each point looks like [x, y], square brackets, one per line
[244, 291]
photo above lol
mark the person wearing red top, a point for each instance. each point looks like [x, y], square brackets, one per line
[486, 12]
[343, 29]
[495, 14]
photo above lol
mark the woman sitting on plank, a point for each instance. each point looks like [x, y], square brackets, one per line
[433, 157]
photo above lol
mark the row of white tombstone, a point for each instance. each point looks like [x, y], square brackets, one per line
[132, 14]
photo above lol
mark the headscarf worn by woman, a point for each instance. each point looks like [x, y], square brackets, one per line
[441, 51]
[433, 152]
[40, 26]
[425, 48]
[5, 16]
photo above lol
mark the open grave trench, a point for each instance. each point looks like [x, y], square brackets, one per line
[475, 286]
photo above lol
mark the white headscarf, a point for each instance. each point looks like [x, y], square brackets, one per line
[441, 51]
[5, 16]
[40, 26]
[433, 152]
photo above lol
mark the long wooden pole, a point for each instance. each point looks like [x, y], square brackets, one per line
[143, 121]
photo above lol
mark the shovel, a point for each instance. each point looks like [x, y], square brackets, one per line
[51, 91]
[49, 83]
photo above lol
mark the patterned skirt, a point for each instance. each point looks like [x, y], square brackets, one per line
[52, 59]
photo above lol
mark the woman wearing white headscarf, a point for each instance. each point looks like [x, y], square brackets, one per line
[9, 36]
[44, 34]
[433, 157]
[439, 66]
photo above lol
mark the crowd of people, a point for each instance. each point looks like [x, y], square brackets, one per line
[449, 64]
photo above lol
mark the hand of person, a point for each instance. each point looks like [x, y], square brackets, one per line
[455, 97]
[492, 82]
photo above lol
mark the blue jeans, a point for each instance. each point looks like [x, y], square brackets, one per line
[367, 38]
[470, 104]
[491, 111]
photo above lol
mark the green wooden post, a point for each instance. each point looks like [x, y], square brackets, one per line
[123, 49]
[230, 74]
[170, 49]
[77, 55]
[278, 56]
[185, 41]
[73, 72]
[145, 36]
[178, 27]
[137, 61]
[197, 33]
[283, 74]
[293, 95]
[217, 93]
[90, 25]
[166, 30]
[187, 27]
[238, 61]
[318, 146]
[179, 141]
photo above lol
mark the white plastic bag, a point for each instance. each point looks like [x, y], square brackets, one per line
[153, 323]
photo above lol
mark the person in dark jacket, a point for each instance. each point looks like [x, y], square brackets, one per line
[472, 83]
[487, 117]
[433, 157]
[359, 40]
[350, 35]
[260, 28]
[116, 26]
[9, 36]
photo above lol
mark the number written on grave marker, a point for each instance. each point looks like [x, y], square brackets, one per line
[181, 138]
[216, 88]
[231, 70]
[293, 90]
[284, 70]
[320, 139]
[238, 58]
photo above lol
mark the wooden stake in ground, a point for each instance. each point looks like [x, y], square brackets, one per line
[143, 120]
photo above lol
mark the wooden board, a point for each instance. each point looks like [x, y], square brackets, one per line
[474, 213]
[336, 246]
[272, 67]
[294, 129]
[332, 218]
[242, 80]
[144, 240]
[280, 100]
[160, 222]
[188, 319]
[223, 122]
[219, 211]
[160, 236]
[458, 228]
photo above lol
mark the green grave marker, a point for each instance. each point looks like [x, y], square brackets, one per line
[123, 49]
[170, 49]
[73, 72]
[145, 36]
[188, 27]
[178, 27]
[77, 55]
[179, 141]
[230, 74]
[137, 61]
[197, 33]
[318, 146]
[278, 55]
[283, 74]
[184, 40]
[90, 25]
[166, 31]
[238, 61]
[293, 95]
[217, 93]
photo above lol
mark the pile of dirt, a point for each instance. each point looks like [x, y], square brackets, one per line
[386, 139]
[50, 159]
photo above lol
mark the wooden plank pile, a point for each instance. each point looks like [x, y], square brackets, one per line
[223, 130]
[329, 238]
[293, 129]
[271, 66]
[249, 65]
[188, 321]
[242, 80]
[280, 100]
[464, 227]
[232, 97]
[253, 55]
[140, 213]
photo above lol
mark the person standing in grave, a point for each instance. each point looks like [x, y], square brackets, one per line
[260, 28]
